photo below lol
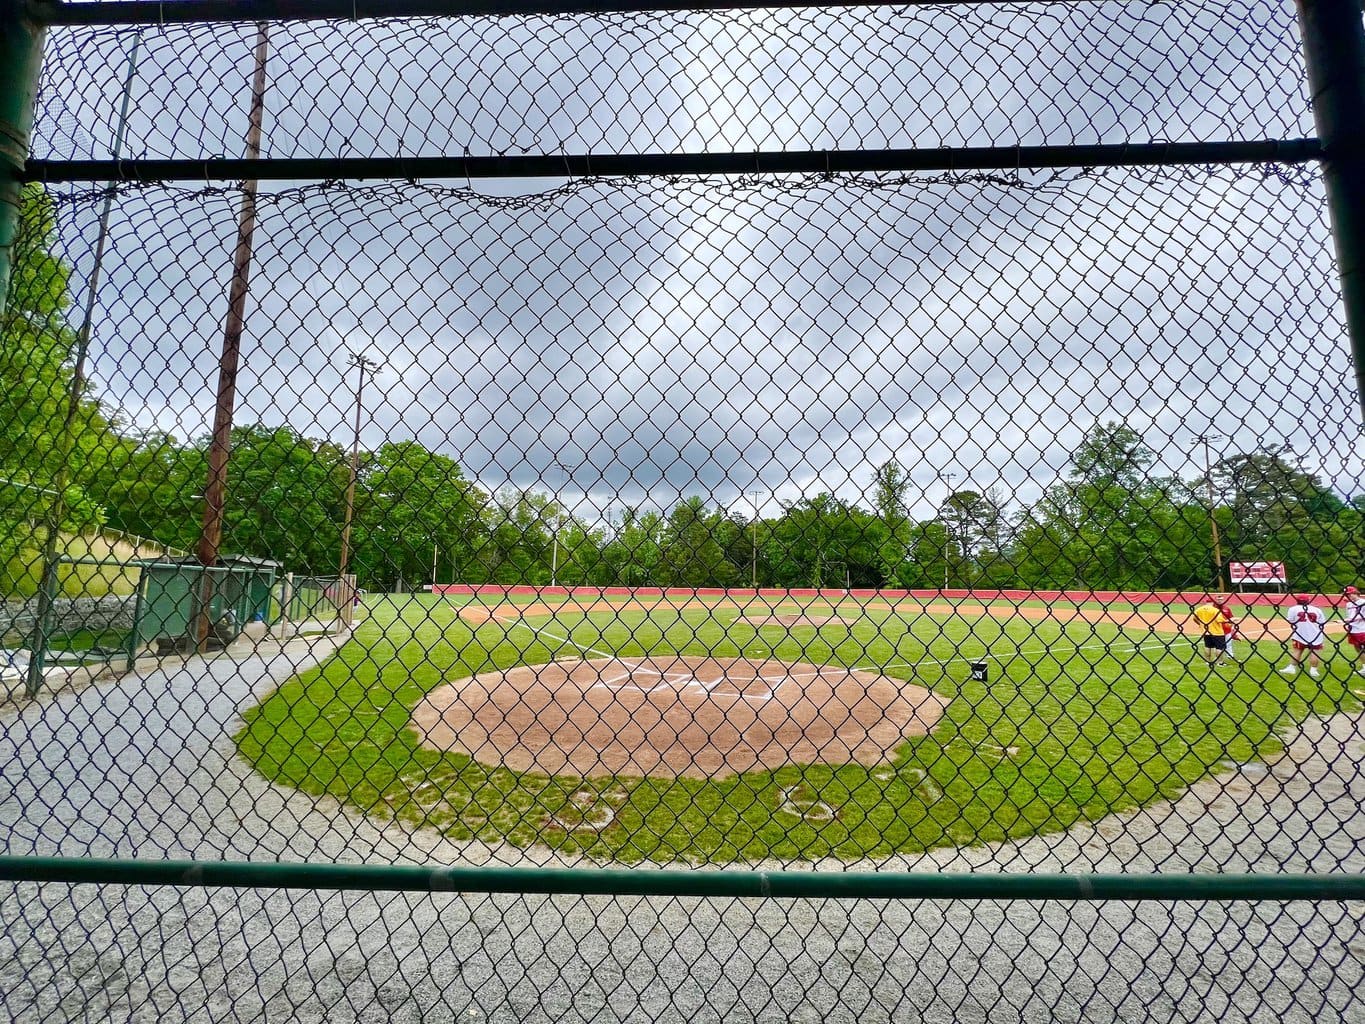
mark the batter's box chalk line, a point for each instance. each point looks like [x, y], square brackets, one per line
[923, 785]
[807, 809]
[676, 682]
[986, 747]
[596, 809]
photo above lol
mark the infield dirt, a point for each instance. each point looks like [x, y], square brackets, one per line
[672, 716]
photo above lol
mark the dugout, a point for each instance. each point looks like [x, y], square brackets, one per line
[172, 590]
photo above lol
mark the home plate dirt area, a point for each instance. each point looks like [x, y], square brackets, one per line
[671, 716]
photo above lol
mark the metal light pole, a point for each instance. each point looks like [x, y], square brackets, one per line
[947, 534]
[363, 365]
[754, 546]
[1213, 519]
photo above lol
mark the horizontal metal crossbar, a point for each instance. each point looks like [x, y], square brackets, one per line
[154, 12]
[982, 158]
[646, 882]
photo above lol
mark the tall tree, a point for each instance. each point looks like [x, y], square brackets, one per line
[514, 544]
[972, 520]
[1266, 493]
[414, 505]
[631, 557]
[1111, 455]
[818, 535]
[692, 555]
[1100, 526]
[36, 348]
[150, 486]
[891, 485]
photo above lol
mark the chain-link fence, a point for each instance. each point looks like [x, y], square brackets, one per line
[776, 514]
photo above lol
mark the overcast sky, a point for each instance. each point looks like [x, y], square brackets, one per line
[662, 338]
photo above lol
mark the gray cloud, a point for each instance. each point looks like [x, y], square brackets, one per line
[666, 338]
[720, 80]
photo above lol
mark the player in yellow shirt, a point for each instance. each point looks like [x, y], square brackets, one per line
[1211, 621]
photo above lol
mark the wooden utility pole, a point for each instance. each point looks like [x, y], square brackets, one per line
[220, 446]
[1213, 519]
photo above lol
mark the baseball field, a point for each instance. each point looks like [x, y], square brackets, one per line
[715, 730]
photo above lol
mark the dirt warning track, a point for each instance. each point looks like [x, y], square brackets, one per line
[672, 716]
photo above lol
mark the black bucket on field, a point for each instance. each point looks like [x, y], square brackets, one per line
[978, 671]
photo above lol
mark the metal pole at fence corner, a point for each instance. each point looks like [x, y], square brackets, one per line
[286, 599]
[134, 636]
[21, 55]
[1334, 55]
[48, 586]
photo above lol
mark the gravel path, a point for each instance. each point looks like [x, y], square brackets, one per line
[145, 766]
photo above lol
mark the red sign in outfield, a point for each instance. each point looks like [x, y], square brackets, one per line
[1262, 573]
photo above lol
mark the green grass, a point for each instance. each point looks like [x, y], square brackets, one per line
[22, 575]
[85, 639]
[1074, 724]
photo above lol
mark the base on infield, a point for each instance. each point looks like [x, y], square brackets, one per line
[673, 716]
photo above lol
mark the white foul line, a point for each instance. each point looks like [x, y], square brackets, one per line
[558, 639]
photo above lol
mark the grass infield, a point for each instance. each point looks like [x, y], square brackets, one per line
[1077, 721]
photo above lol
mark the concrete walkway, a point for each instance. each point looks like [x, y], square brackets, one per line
[145, 766]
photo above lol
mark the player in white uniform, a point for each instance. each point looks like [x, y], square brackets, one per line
[1309, 634]
[1353, 611]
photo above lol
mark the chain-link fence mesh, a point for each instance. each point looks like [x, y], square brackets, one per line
[959, 522]
[973, 75]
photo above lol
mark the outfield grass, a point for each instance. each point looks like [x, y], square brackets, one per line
[1076, 722]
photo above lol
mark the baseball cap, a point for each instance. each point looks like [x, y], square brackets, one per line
[1350, 590]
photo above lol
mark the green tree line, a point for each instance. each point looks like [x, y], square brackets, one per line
[1109, 521]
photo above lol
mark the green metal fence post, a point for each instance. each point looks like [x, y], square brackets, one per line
[21, 55]
[133, 635]
[42, 625]
[1334, 53]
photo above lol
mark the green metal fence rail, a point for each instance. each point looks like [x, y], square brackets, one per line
[876, 885]
[1157, 154]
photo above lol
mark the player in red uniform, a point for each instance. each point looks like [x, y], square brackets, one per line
[1309, 631]
[1353, 611]
[1229, 627]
